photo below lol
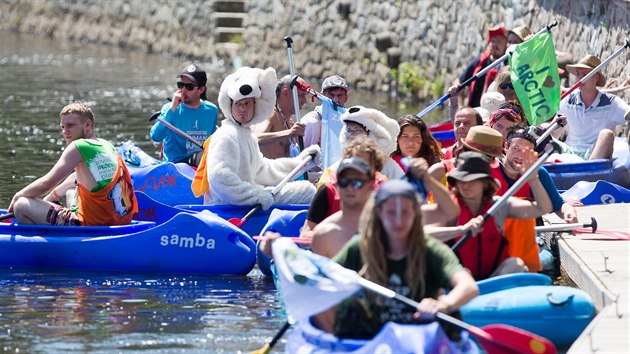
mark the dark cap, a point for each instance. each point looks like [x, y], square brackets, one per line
[195, 73]
[471, 165]
[395, 188]
[355, 163]
[335, 81]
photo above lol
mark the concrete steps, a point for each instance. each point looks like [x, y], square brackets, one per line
[229, 18]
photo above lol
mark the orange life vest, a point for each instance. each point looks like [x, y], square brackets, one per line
[115, 204]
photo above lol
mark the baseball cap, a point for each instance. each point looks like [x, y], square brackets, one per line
[496, 31]
[334, 82]
[195, 73]
[354, 163]
[395, 188]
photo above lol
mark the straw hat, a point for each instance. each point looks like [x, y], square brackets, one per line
[485, 140]
[521, 32]
[588, 62]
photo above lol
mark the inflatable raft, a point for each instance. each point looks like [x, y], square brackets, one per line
[199, 243]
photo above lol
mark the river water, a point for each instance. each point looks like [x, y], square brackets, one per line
[104, 313]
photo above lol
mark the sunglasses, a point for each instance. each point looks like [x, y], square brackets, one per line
[515, 108]
[506, 85]
[189, 87]
[356, 183]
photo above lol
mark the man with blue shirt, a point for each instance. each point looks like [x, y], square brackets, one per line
[519, 142]
[189, 111]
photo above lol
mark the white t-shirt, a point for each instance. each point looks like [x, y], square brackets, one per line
[313, 130]
[585, 123]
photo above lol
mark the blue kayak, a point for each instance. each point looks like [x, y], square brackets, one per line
[615, 170]
[392, 338]
[188, 243]
[150, 209]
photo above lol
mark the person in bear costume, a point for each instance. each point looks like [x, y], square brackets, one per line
[382, 129]
[237, 172]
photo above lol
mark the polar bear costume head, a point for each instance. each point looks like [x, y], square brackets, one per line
[382, 129]
[249, 82]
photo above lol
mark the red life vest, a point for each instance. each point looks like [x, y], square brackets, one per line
[524, 192]
[483, 253]
[489, 77]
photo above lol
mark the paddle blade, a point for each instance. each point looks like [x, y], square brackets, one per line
[263, 350]
[504, 338]
[7, 217]
[236, 222]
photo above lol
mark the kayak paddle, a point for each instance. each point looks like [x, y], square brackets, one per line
[267, 347]
[568, 227]
[239, 222]
[156, 116]
[7, 216]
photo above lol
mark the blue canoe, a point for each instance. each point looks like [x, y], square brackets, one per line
[600, 192]
[159, 212]
[614, 170]
[199, 243]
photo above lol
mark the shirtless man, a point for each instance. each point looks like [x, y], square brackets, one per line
[104, 191]
[278, 136]
[354, 183]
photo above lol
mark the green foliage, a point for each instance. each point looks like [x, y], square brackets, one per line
[236, 38]
[413, 81]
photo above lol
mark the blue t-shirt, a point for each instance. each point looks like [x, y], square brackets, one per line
[199, 123]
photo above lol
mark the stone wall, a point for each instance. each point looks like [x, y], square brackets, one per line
[330, 36]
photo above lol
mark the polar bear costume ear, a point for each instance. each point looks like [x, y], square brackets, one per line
[382, 129]
[249, 82]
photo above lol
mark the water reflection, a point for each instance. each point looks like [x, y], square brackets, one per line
[103, 312]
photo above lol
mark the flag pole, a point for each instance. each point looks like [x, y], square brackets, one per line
[477, 76]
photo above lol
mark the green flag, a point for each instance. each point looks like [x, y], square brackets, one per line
[534, 74]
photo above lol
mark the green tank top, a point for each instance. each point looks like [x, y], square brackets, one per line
[100, 158]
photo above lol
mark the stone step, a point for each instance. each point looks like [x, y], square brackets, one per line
[228, 34]
[229, 6]
[228, 19]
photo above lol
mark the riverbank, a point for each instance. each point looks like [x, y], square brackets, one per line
[363, 40]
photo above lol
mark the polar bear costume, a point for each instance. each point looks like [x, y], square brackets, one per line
[382, 129]
[237, 172]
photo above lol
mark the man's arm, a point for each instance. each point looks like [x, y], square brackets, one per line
[268, 133]
[70, 158]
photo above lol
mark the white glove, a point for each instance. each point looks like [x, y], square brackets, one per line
[265, 199]
[313, 151]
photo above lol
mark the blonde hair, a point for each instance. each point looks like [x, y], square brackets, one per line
[363, 144]
[374, 247]
[79, 108]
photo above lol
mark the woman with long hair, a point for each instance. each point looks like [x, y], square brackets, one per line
[490, 252]
[392, 250]
[415, 140]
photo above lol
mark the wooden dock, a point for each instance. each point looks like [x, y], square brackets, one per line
[600, 268]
